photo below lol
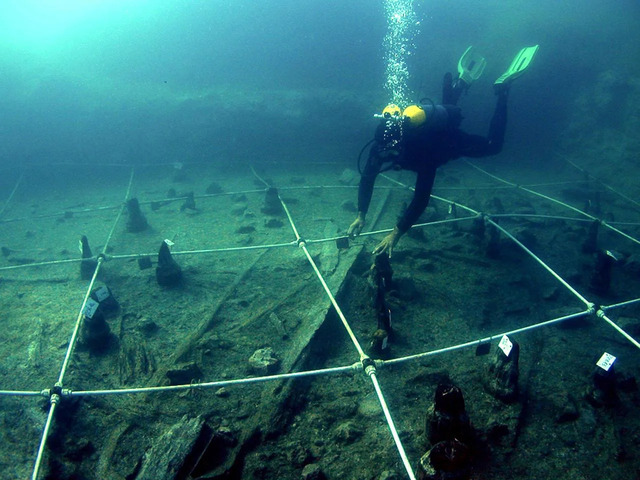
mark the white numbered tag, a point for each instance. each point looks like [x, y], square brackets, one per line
[102, 293]
[169, 242]
[90, 308]
[505, 345]
[606, 361]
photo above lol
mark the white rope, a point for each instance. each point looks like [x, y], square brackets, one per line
[501, 187]
[20, 393]
[294, 243]
[563, 204]
[611, 189]
[208, 250]
[620, 232]
[372, 374]
[222, 383]
[535, 215]
[541, 263]
[74, 336]
[603, 315]
[13, 192]
[326, 288]
[327, 371]
[472, 343]
[621, 304]
[520, 244]
[391, 424]
[363, 357]
[627, 224]
[43, 441]
[533, 192]
[167, 201]
[41, 264]
[236, 161]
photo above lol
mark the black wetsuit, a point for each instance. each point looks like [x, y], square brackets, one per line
[423, 150]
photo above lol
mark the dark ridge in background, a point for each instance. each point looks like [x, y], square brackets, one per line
[132, 82]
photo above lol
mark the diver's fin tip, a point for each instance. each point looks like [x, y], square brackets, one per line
[520, 63]
[471, 65]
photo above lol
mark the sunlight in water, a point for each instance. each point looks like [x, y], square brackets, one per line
[43, 21]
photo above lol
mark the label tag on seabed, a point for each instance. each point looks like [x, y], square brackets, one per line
[90, 308]
[505, 345]
[606, 361]
[102, 293]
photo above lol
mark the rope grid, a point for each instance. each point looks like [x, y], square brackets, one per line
[365, 363]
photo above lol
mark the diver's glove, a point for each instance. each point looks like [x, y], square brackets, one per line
[388, 243]
[356, 227]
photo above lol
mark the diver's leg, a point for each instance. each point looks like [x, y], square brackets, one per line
[498, 125]
[447, 89]
[459, 86]
[451, 90]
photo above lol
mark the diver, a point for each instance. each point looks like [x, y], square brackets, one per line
[423, 137]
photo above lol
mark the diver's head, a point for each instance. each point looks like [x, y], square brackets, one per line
[394, 123]
[391, 111]
[414, 116]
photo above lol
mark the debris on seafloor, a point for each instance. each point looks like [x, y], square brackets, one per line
[278, 325]
[450, 435]
[104, 296]
[213, 189]
[96, 334]
[449, 459]
[165, 459]
[263, 361]
[590, 244]
[602, 391]
[88, 264]
[503, 373]
[600, 282]
[272, 205]
[312, 471]
[189, 203]
[447, 418]
[381, 281]
[168, 272]
[136, 221]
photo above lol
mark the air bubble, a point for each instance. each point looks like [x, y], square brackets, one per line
[398, 44]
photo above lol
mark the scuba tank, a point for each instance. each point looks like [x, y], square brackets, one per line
[396, 122]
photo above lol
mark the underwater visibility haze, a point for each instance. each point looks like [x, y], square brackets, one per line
[178, 187]
[132, 81]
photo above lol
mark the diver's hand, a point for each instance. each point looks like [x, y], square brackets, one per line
[388, 243]
[356, 227]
